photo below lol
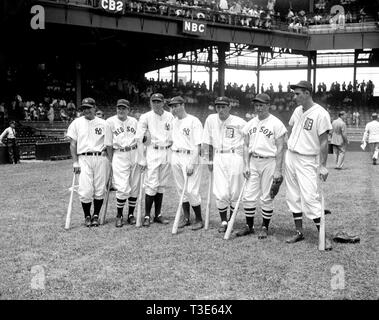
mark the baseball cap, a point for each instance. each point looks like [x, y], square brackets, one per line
[374, 115]
[88, 102]
[262, 97]
[176, 100]
[222, 100]
[303, 85]
[157, 97]
[123, 103]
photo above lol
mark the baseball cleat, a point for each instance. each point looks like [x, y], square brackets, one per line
[95, 221]
[160, 219]
[131, 220]
[222, 228]
[263, 233]
[245, 231]
[88, 221]
[197, 225]
[146, 222]
[184, 223]
[297, 237]
[374, 162]
[119, 222]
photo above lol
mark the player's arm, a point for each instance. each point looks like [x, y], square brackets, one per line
[74, 155]
[279, 158]
[365, 134]
[108, 140]
[323, 138]
[142, 127]
[2, 136]
[344, 135]
[207, 144]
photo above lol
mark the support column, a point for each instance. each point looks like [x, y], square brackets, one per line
[221, 69]
[210, 59]
[78, 78]
[314, 71]
[309, 67]
[356, 53]
[258, 72]
[159, 75]
[176, 71]
[191, 68]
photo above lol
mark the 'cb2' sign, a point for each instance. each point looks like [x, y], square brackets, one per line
[195, 28]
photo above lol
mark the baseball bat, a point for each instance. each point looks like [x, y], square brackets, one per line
[321, 237]
[104, 212]
[177, 216]
[233, 218]
[208, 208]
[139, 202]
[69, 208]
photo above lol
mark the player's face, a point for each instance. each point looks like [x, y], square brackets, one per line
[223, 111]
[177, 109]
[89, 113]
[262, 109]
[157, 106]
[300, 96]
[122, 112]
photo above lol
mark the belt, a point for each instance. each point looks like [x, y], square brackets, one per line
[91, 154]
[126, 149]
[160, 148]
[225, 151]
[182, 151]
[258, 156]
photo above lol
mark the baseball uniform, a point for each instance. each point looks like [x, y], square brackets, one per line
[89, 135]
[227, 140]
[261, 136]
[302, 160]
[121, 136]
[371, 135]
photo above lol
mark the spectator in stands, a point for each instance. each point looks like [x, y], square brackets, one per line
[63, 115]
[349, 87]
[100, 114]
[362, 15]
[223, 5]
[280, 87]
[363, 86]
[51, 114]
[341, 20]
[10, 134]
[356, 119]
[71, 110]
[349, 17]
[2, 113]
[42, 112]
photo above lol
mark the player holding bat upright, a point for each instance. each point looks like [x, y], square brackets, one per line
[186, 136]
[307, 154]
[88, 153]
[264, 140]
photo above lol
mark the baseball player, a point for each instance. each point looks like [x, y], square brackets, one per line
[87, 148]
[307, 152]
[121, 143]
[186, 136]
[224, 139]
[158, 123]
[264, 140]
[371, 136]
[12, 145]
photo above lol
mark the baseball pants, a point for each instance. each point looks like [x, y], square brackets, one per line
[126, 174]
[301, 183]
[228, 178]
[158, 170]
[375, 149]
[339, 154]
[179, 162]
[259, 183]
[94, 171]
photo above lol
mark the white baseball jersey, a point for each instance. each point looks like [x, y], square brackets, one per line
[371, 133]
[224, 135]
[186, 133]
[262, 135]
[9, 132]
[120, 134]
[89, 134]
[160, 127]
[307, 127]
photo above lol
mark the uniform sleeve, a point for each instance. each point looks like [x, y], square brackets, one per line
[197, 131]
[72, 131]
[142, 126]
[280, 129]
[5, 132]
[323, 123]
[108, 138]
[206, 132]
[292, 120]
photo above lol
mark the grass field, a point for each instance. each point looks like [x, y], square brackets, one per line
[150, 263]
